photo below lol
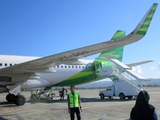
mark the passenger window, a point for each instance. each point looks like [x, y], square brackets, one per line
[0, 64]
[72, 66]
[61, 66]
[5, 64]
[65, 66]
[10, 64]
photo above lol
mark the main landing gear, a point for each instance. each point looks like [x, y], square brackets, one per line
[19, 100]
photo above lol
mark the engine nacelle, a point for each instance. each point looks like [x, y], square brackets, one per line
[35, 83]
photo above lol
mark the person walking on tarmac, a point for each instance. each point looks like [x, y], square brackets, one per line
[62, 94]
[74, 103]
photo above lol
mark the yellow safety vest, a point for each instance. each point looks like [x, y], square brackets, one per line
[73, 99]
[37, 91]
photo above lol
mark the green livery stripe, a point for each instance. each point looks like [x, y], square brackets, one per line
[81, 74]
[86, 75]
[144, 27]
[77, 81]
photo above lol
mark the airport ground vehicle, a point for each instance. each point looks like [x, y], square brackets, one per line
[120, 89]
[43, 95]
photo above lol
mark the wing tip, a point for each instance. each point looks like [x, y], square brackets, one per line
[155, 4]
[144, 24]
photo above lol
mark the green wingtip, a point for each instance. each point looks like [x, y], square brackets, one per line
[155, 4]
[145, 25]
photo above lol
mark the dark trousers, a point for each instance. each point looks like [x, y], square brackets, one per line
[77, 111]
[62, 97]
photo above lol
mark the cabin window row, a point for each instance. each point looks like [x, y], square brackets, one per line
[68, 66]
[59, 66]
[6, 64]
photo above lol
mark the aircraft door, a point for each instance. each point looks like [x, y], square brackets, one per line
[97, 66]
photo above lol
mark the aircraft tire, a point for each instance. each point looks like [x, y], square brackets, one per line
[20, 100]
[10, 97]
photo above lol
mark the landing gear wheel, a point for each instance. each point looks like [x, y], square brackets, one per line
[10, 97]
[122, 96]
[20, 100]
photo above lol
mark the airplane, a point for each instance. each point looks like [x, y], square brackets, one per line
[66, 68]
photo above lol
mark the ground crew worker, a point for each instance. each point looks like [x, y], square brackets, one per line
[62, 94]
[74, 103]
[37, 92]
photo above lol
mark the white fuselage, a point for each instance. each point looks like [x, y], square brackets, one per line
[43, 79]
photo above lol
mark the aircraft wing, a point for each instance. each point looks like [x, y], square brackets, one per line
[71, 56]
[139, 63]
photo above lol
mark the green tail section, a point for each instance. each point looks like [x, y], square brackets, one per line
[147, 19]
[113, 53]
[117, 53]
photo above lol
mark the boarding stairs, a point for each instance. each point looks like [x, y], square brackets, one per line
[119, 71]
[127, 79]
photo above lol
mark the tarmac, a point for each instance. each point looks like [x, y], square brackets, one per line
[94, 108]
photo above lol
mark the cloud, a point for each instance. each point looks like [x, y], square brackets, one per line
[137, 69]
[157, 67]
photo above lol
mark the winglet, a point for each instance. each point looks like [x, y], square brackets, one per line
[143, 26]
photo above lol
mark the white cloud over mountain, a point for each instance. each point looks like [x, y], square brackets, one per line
[157, 67]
